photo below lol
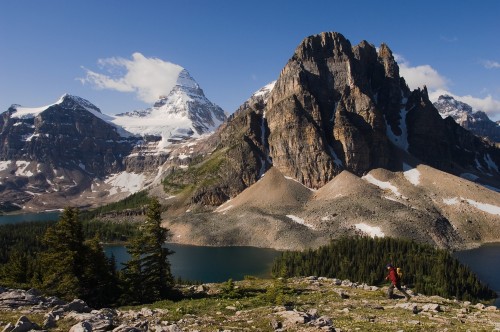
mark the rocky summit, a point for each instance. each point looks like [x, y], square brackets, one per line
[476, 121]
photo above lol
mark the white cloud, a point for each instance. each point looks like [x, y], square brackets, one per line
[488, 64]
[417, 77]
[487, 104]
[147, 77]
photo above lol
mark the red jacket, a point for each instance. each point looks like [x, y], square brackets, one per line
[392, 276]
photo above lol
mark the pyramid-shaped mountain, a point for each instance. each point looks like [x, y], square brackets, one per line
[185, 112]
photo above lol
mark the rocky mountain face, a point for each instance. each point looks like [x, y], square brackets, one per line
[71, 133]
[59, 149]
[340, 107]
[475, 121]
[342, 123]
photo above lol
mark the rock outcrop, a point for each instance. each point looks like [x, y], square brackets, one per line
[309, 304]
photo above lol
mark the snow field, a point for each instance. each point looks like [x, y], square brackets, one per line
[372, 231]
[488, 208]
[299, 220]
[125, 182]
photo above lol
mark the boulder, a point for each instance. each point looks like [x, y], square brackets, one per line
[294, 317]
[81, 327]
[434, 307]
[125, 328]
[49, 322]
[23, 324]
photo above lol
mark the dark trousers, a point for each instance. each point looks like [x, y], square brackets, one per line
[390, 291]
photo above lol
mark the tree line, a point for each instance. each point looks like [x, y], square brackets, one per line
[426, 270]
[65, 263]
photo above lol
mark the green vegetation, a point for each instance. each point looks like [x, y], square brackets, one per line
[71, 267]
[200, 172]
[362, 259]
[66, 259]
[137, 202]
[147, 275]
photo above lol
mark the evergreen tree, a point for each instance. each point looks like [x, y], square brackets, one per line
[426, 270]
[72, 268]
[99, 281]
[63, 259]
[147, 274]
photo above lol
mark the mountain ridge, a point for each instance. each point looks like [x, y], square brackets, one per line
[476, 121]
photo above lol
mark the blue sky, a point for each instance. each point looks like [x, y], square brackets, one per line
[232, 48]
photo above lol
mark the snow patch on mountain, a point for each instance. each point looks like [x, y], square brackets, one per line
[265, 90]
[66, 100]
[372, 231]
[411, 174]
[299, 220]
[488, 208]
[469, 176]
[21, 168]
[382, 185]
[451, 201]
[5, 164]
[125, 182]
[401, 140]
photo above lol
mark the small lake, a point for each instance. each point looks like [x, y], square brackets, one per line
[211, 264]
[17, 218]
[485, 262]
[217, 264]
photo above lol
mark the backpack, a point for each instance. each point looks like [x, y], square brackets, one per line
[399, 273]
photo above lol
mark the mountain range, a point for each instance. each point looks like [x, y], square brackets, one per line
[70, 152]
[337, 145]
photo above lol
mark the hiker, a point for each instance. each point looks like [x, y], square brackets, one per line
[395, 282]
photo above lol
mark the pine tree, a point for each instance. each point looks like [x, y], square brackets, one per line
[63, 260]
[147, 274]
[74, 268]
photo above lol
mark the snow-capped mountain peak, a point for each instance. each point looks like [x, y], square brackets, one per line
[467, 117]
[184, 112]
[265, 90]
[449, 106]
[66, 101]
[186, 80]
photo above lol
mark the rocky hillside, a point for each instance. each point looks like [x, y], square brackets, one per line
[311, 304]
[476, 121]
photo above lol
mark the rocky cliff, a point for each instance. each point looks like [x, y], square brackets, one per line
[340, 107]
